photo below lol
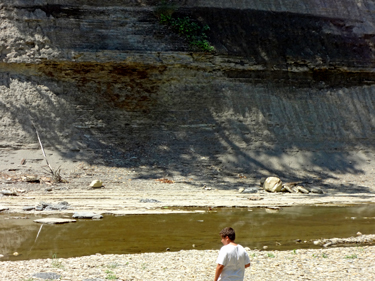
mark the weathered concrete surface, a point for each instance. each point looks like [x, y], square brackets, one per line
[289, 90]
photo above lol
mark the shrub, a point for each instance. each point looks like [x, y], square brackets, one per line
[194, 33]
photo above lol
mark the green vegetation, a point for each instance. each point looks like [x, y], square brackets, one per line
[110, 275]
[324, 256]
[56, 263]
[354, 256]
[192, 31]
[270, 255]
[294, 252]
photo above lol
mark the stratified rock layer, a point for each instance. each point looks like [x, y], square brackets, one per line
[103, 81]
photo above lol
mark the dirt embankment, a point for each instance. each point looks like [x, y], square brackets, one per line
[288, 92]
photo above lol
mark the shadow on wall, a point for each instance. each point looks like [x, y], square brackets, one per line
[209, 128]
[177, 120]
[285, 39]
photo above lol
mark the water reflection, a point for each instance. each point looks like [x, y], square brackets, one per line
[154, 233]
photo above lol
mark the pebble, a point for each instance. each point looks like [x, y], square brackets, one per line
[350, 263]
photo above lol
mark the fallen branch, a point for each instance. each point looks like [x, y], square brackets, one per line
[56, 177]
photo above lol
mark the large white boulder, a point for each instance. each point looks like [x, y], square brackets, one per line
[273, 184]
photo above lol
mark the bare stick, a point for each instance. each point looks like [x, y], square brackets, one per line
[41, 146]
[38, 232]
[55, 174]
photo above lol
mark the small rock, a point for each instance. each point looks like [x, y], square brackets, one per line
[316, 242]
[96, 184]
[359, 233]
[48, 189]
[287, 188]
[54, 220]
[302, 189]
[1, 256]
[298, 240]
[21, 190]
[167, 249]
[247, 249]
[193, 245]
[28, 208]
[241, 190]
[146, 200]
[85, 215]
[265, 247]
[3, 208]
[97, 217]
[47, 275]
[39, 208]
[272, 210]
[316, 190]
[251, 190]
[9, 192]
[30, 179]
[15, 254]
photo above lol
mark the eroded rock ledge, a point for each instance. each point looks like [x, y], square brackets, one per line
[288, 90]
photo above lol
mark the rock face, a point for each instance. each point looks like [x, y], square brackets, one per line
[287, 77]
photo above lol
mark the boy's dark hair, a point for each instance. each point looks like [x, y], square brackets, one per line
[228, 231]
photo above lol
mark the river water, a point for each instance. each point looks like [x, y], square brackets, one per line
[255, 228]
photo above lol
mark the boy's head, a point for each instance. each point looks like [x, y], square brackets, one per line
[228, 231]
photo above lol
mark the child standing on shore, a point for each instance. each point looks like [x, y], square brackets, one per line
[232, 259]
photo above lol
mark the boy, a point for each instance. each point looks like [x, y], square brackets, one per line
[232, 259]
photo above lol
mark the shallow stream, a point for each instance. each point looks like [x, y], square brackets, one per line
[255, 228]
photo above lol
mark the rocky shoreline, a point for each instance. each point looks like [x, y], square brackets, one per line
[349, 263]
[125, 191]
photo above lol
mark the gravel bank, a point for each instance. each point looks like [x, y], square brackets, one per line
[348, 263]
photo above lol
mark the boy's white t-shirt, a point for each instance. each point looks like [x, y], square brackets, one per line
[234, 259]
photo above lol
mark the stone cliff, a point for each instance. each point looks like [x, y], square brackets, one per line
[288, 90]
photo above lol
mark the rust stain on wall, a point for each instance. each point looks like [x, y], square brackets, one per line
[132, 87]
